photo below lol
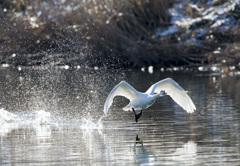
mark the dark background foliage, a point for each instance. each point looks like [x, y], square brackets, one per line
[112, 33]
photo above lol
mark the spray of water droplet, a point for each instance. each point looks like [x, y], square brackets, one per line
[42, 117]
[7, 117]
[40, 120]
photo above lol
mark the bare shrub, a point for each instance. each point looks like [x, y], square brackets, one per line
[118, 33]
[44, 41]
[126, 29]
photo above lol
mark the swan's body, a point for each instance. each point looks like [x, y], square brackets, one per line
[140, 101]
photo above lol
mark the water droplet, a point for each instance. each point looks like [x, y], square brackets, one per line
[66, 67]
[150, 69]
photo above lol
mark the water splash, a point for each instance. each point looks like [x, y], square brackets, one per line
[38, 120]
[89, 124]
[7, 117]
[42, 117]
[41, 123]
[7, 122]
[89, 119]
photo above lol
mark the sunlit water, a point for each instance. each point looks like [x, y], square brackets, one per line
[55, 117]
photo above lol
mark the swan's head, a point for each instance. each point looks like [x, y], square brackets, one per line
[162, 92]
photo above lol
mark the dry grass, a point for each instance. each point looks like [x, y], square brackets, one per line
[109, 32]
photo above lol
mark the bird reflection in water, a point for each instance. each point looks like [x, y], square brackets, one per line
[142, 155]
[138, 141]
[186, 154]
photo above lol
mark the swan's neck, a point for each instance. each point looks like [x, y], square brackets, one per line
[155, 96]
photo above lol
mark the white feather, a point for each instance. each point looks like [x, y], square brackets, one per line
[176, 92]
[140, 101]
[122, 89]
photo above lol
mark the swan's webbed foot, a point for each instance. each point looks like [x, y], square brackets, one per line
[137, 116]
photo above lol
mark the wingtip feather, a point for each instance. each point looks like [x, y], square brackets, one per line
[191, 108]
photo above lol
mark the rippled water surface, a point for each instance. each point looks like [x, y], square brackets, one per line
[55, 117]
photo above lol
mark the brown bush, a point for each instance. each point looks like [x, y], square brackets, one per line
[121, 30]
[108, 32]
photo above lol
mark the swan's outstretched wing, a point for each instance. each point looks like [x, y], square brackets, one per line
[122, 89]
[177, 93]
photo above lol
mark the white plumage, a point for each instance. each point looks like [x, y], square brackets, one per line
[140, 101]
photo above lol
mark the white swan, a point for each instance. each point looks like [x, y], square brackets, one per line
[140, 101]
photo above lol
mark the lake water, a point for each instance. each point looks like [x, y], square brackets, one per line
[55, 117]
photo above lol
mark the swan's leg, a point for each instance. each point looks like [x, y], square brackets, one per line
[137, 116]
[134, 114]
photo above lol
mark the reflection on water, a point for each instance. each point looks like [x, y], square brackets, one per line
[55, 117]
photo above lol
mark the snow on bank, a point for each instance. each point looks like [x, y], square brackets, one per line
[196, 14]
